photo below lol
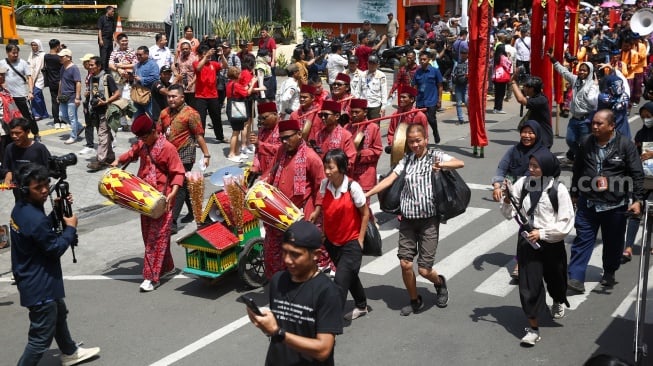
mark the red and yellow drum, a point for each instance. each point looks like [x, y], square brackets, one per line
[131, 192]
[271, 206]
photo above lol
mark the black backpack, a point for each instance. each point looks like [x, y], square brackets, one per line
[551, 192]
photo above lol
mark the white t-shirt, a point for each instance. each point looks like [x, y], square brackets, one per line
[356, 191]
[335, 64]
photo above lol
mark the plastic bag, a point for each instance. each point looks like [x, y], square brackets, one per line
[390, 198]
[372, 244]
[451, 194]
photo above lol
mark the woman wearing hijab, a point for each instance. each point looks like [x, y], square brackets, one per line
[35, 61]
[540, 245]
[502, 72]
[514, 163]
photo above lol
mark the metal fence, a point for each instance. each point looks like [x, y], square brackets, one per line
[200, 14]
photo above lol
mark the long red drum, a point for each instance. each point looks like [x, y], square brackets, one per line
[271, 206]
[131, 192]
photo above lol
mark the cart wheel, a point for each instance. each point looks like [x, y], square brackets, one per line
[251, 265]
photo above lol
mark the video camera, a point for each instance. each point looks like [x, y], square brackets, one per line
[57, 165]
[522, 75]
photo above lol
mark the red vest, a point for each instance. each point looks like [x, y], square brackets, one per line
[342, 221]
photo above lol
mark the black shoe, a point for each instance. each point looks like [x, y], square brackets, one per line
[442, 297]
[188, 218]
[570, 156]
[576, 285]
[415, 307]
[608, 279]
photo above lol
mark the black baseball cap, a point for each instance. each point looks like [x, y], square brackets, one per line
[303, 234]
[165, 68]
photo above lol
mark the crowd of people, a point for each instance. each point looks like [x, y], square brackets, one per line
[320, 148]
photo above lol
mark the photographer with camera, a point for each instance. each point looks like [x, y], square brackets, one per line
[36, 266]
[103, 91]
[535, 101]
[22, 151]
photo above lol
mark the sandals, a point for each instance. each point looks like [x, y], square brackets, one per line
[626, 256]
[515, 273]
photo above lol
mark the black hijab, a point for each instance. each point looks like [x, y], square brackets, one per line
[550, 167]
[518, 165]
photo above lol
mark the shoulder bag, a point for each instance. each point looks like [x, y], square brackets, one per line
[390, 198]
[451, 194]
[140, 94]
[372, 244]
[236, 108]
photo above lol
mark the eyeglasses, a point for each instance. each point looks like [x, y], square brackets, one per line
[262, 117]
[337, 85]
[324, 115]
[286, 138]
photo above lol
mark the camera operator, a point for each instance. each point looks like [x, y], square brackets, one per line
[103, 91]
[536, 103]
[36, 266]
[22, 151]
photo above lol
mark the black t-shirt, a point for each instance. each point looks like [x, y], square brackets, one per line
[304, 309]
[96, 88]
[538, 107]
[107, 26]
[15, 157]
[52, 65]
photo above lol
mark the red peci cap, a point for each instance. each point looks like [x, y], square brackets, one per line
[331, 105]
[267, 107]
[307, 89]
[358, 103]
[344, 78]
[142, 125]
[405, 89]
[289, 125]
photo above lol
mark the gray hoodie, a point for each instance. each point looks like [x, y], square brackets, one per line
[585, 95]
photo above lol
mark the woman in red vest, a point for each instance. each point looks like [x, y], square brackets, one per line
[345, 217]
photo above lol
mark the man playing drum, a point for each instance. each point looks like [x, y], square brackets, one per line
[297, 173]
[307, 114]
[332, 135]
[161, 168]
[367, 140]
[407, 96]
[267, 142]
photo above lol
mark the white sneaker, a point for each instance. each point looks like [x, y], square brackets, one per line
[250, 149]
[243, 156]
[80, 355]
[235, 159]
[244, 152]
[499, 111]
[557, 310]
[86, 150]
[70, 141]
[357, 313]
[147, 286]
[531, 337]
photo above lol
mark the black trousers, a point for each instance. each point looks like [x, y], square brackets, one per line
[54, 90]
[213, 108]
[347, 259]
[189, 98]
[549, 263]
[23, 105]
[105, 52]
[433, 121]
[499, 94]
[182, 197]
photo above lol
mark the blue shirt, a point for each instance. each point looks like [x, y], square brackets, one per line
[148, 71]
[35, 254]
[426, 82]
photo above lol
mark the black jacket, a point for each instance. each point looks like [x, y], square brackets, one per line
[622, 166]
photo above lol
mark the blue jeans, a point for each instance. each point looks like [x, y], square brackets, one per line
[142, 109]
[68, 114]
[47, 321]
[39, 110]
[461, 97]
[613, 229]
[621, 123]
[576, 130]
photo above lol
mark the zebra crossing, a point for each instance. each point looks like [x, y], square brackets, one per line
[498, 283]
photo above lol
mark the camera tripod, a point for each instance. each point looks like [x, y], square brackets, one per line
[62, 208]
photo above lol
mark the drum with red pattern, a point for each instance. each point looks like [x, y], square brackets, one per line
[271, 206]
[131, 192]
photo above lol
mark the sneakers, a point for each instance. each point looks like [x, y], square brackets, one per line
[81, 354]
[188, 218]
[608, 279]
[357, 313]
[70, 141]
[442, 296]
[171, 273]
[86, 150]
[243, 155]
[94, 166]
[415, 307]
[235, 159]
[557, 310]
[576, 285]
[148, 286]
[532, 336]
[498, 111]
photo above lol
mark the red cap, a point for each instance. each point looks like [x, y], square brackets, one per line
[142, 125]
[344, 78]
[307, 89]
[289, 125]
[267, 107]
[405, 89]
[358, 103]
[331, 105]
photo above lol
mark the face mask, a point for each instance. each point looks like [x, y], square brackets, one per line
[648, 122]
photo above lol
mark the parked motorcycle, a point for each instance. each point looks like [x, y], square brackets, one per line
[391, 57]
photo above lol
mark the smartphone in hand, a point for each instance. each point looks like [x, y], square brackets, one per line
[250, 304]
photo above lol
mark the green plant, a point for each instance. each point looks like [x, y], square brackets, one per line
[287, 31]
[243, 28]
[283, 17]
[255, 30]
[282, 62]
[223, 28]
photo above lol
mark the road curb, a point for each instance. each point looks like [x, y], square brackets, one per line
[79, 31]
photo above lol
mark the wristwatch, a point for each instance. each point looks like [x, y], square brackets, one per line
[279, 335]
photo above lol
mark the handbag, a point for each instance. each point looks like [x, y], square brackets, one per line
[451, 194]
[236, 108]
[140, 94]
[390, 198]
[372, 243]
[500, 75]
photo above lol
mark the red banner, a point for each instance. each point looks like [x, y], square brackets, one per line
[408, 3]
[479, 45]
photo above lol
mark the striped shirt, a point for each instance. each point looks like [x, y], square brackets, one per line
[417, 199]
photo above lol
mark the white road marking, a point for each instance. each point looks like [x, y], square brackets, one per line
[464, 257]
[499, 283]
[594, 273]
[388, 261]
[626, 309]
[483, 187]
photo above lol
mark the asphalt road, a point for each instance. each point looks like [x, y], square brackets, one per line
[193, 321]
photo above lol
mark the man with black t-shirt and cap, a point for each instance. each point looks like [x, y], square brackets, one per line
[305, 306]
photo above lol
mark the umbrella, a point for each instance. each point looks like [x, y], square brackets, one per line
[610, 4]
